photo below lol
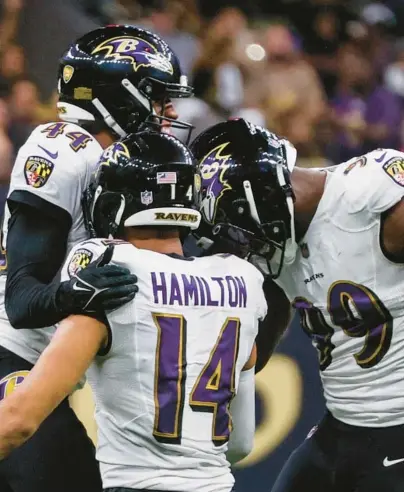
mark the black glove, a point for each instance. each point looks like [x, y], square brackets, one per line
[97, 288]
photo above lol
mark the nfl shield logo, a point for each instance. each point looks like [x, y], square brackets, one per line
[146, 197]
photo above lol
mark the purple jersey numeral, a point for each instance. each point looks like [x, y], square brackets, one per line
[169, 377]
[215, 387]
[213, 390]
[54, 130]
[359, 313]
[371, 320]
[79, 140]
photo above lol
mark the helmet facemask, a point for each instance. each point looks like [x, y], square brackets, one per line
[162, 93]
[274, 242]
[137, 107]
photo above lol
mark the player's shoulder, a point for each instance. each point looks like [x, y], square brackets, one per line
[91, 250]
[377, 162]
[58, 139]
[98, 245]
[373, 181]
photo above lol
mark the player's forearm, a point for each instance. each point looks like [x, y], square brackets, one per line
[51, 380]
[31, 304]
[15, 425]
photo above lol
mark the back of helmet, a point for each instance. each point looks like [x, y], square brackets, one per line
[148, 179]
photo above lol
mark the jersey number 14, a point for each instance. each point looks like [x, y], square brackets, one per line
[213, 390]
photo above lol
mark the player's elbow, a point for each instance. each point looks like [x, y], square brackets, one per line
[15, 316]
[17, 313]
[16, 320]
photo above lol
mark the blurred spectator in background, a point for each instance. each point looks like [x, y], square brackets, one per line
[323, 26]
[219, 60]
[288, 89]
[7, 153]
[24, 105]
[394, 81]
[9, 22]
[178, 23]
[366, 114]
[12, 63]
[380, 22]
[217, 74]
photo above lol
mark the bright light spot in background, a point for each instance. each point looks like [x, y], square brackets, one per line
[255, 52]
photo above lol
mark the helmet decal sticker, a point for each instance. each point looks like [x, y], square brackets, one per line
[138, 51]
[112, 154]
[213, 168]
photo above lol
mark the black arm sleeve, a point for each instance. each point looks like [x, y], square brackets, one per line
[36, 248]
[274, 325]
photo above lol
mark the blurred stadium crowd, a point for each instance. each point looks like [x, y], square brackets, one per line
[327, 74]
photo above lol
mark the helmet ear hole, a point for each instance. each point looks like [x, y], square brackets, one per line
[106, 213]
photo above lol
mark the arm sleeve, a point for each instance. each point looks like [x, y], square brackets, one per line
[243, 415]
[273, 325]
[36, 247]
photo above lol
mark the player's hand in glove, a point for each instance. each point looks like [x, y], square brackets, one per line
[97, 288]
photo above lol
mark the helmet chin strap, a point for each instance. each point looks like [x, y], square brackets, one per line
[118, 216]
[134, 92]
[108, 118]
[251, 202]
[291, 245]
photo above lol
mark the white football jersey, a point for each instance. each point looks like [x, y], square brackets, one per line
[350, 295]
[163, 389]
[55, 164]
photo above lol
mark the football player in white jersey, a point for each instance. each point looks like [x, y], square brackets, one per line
[169, 367]
[333, 240]
[111, 81]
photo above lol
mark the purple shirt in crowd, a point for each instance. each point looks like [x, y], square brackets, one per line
[381, 106]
